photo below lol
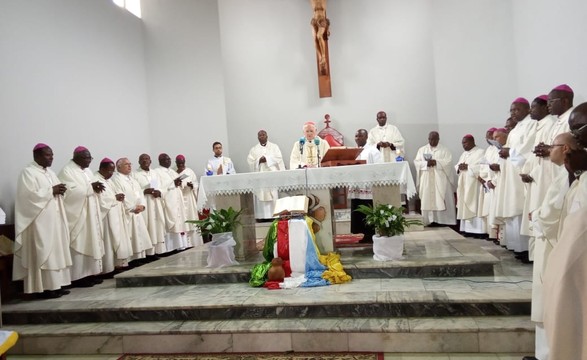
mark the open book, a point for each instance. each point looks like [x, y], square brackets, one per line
[291, 205]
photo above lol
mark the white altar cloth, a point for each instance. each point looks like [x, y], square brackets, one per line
[309, 178]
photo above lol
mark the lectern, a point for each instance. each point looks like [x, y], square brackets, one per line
[341, 156]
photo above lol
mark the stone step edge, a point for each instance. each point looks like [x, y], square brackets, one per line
[478, 324]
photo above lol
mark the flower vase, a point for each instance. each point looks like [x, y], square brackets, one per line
[388, 247]
[221, 250]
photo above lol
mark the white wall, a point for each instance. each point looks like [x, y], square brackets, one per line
[475, 71]
[71, 73]
[550, 48]
[185, 80]
[195, 71]
[381, 59]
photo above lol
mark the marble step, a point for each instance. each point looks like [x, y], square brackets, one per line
[431, 253]
[390, 335]
[483, 296]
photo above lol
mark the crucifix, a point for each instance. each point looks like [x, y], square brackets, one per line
[321, 30]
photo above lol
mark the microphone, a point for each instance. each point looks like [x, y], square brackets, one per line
[317, 143]
[302, 142]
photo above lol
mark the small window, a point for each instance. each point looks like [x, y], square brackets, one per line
[133, 6]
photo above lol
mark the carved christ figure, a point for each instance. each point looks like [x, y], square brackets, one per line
[321, 30]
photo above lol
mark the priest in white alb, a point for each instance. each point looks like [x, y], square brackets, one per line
[82, 205]
[538, 172]
[510, 202]
[189, 188]
[175, 212]
[545, 223]
[154, 214]
[361, 195]
[117, 244]
[387, 138]
[263, 157]
[134, 205]
[41, 248]
[488, 180]
[468, 187]
[219, 164]
[436, 182]
[309, 149]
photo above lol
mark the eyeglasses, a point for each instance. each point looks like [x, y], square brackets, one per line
[578, 134]
[550, 101]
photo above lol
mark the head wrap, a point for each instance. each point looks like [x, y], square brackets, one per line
[563, 87]
[40, 146]
[180, 158]
[79, 149]
[521, 100]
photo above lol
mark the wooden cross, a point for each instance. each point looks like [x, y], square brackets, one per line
[321, 30]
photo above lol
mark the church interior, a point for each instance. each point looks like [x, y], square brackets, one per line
[187, 73]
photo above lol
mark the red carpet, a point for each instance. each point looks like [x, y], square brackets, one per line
[257, 356]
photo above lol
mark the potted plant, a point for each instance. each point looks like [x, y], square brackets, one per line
[390, 224]
[220, 224]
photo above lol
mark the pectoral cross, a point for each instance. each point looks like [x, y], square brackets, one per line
[321, 30]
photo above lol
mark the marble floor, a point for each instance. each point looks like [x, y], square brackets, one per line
[510, 282]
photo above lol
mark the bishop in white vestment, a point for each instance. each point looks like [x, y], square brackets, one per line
[265, 156]
[82, 205]
[309, 150]
[41, 249]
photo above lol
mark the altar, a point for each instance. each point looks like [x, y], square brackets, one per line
[387, 180]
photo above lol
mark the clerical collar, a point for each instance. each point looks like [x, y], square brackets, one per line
[218, 156]
[263, 144]
[578, 173]
[382, 127]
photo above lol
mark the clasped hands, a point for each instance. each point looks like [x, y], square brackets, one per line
[494, 167]
[385, 144]
[504, 153]
[59, 189]
[98, 187]
[542, 150]
[153, 192]
[463, 167]
[431, 163]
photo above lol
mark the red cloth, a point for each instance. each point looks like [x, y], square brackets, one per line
[283, 245]
[271, 285]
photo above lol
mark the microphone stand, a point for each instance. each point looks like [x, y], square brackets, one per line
[301, 153]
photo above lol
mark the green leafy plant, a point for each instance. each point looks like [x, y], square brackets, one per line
[387, 220]
[218, 221]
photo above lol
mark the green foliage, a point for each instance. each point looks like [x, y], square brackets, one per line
[386, 219]
[218, 221]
